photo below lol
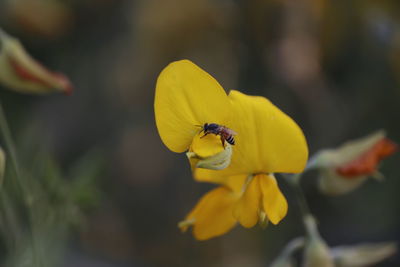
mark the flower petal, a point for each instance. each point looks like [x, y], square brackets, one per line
[212, 216]
[246, 210]
[274, 202]
[216, 162]
[187, 96]
[220, 177]
[331, 183]
[268, 140]
[236, 182]
[206, 146]
[347, 152]
[367, 162]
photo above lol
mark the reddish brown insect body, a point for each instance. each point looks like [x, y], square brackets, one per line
[225, 133]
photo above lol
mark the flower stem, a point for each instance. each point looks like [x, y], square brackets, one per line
[302, 201]
[5, 130]
[294, 181]
[10, 146]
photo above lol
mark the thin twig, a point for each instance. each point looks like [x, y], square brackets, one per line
[294, 181]
[10, 146]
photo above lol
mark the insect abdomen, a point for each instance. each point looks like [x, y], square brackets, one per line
[230, 140]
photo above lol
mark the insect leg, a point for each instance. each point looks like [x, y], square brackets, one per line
[205, 133]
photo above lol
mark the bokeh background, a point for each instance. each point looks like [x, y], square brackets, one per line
[332, 65]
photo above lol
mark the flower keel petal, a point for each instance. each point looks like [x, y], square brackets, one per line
[274, 202]
[212, 216]
[246, 210]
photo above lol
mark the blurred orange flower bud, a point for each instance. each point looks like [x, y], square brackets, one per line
[345, 168]
[367, 162]
[20, 72]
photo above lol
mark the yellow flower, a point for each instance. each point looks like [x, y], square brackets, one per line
[20, 72]
[267, 141]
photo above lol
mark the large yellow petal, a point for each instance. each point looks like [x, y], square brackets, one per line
[274, 202]
[246, 210]
[268, 140]
[187, 96]
[212, 216]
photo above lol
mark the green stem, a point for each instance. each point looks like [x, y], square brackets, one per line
[294, 181]
[10, 146]
[5, 130]
[302, 201]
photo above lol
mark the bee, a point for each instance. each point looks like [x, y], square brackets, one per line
[225, 133]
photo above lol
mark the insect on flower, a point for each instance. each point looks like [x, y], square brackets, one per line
[224, 132]
[269, 142]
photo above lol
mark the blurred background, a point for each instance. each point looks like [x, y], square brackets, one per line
[332, 65]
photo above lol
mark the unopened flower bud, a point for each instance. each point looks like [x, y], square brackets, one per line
[20, 72]
[347, 167]
[366, 254]
[316, 253]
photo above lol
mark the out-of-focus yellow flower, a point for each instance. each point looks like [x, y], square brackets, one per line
[347, 167]
[267, 141]
[20, 72]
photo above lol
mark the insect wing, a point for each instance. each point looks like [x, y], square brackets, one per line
[230, 131]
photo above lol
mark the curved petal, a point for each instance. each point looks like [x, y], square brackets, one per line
[268, 140]
[274, 202]
[246, 210]
[187, 96]
[206, 146]
[212, 216]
